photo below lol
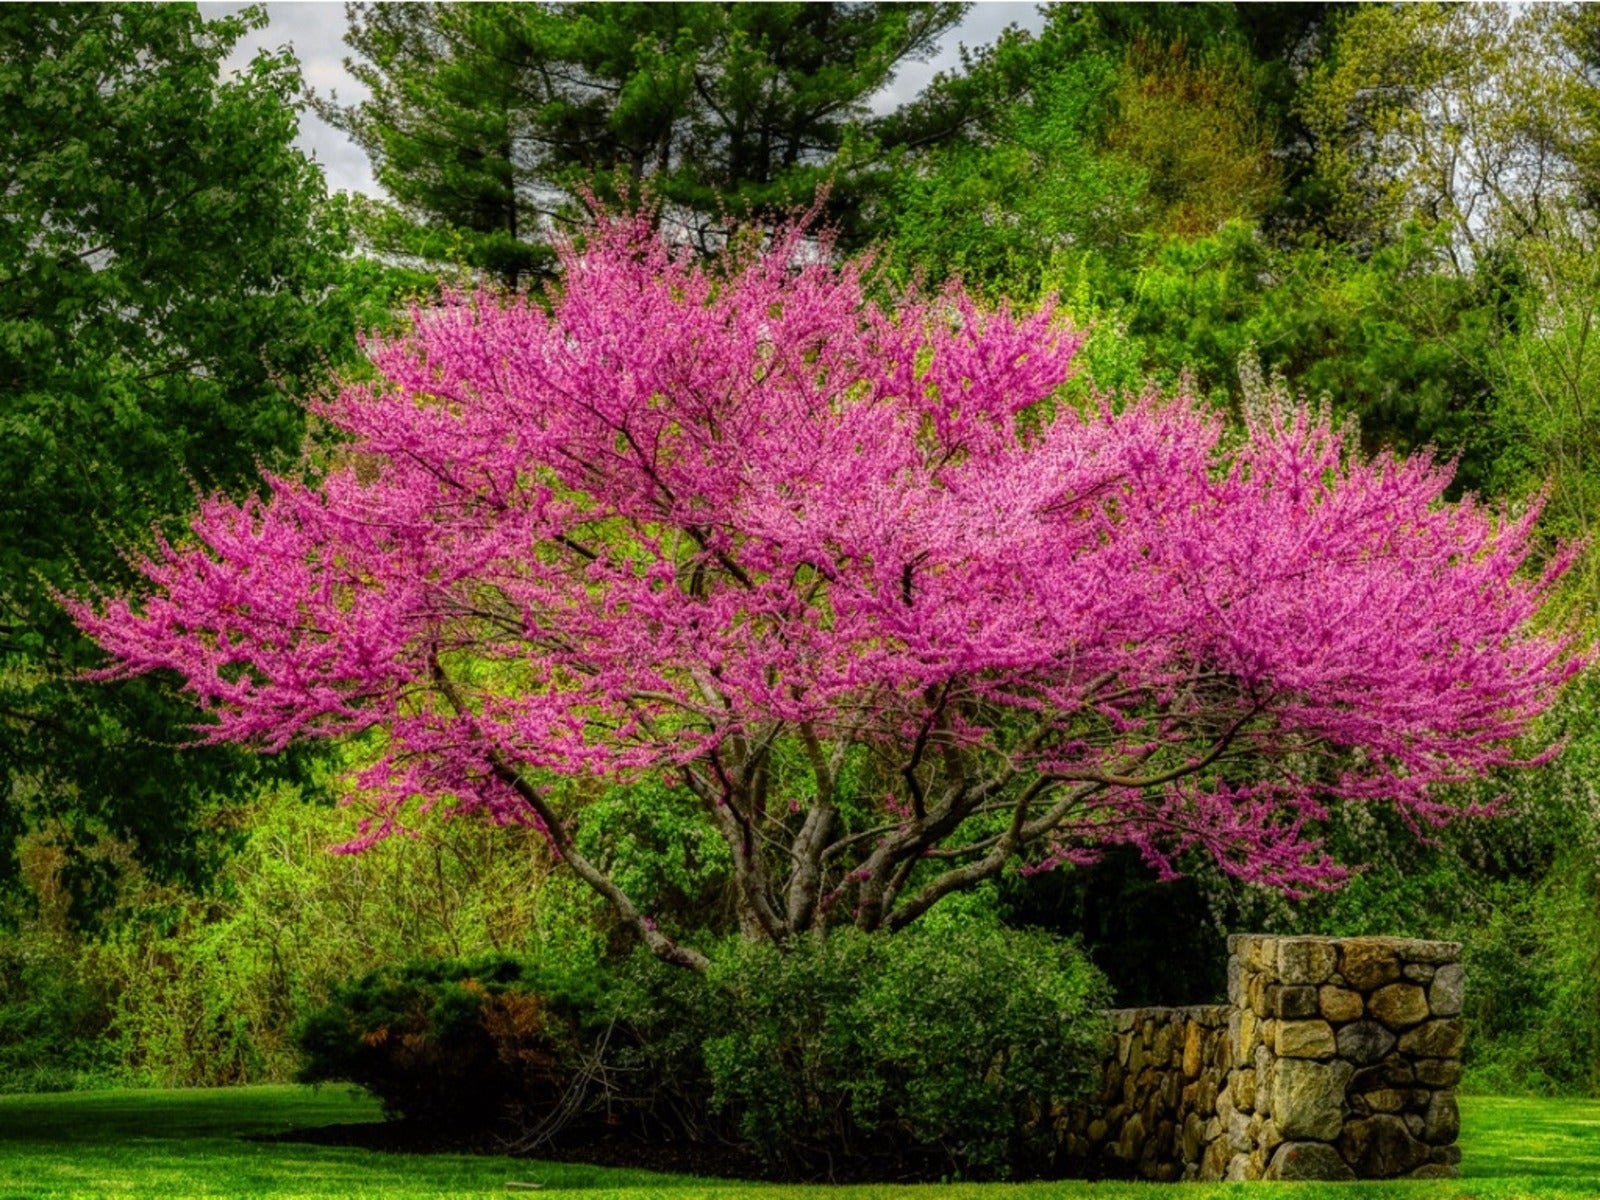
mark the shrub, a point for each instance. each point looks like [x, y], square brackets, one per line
[662, 1017]
[206, 989]
[1533, 972]
[455, 1043]
[928, 1052]
[53, 1020]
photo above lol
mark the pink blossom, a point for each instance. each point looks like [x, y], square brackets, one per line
[691, 514]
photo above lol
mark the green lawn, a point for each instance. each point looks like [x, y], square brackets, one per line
[188, 1143]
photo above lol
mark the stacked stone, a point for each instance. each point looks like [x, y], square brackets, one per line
[1154, 1115]
[1346, 1053]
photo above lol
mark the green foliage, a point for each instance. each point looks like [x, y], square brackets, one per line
[1455, 115]
[1132, 164]
[655, 843]
[664, 1015]
[934, 1051]
[1546, 377]
[1115, 120]
[52, 1021]
[1534, 968]
[931, 1051]
[1394, 339]
[1029, 200]
[1531, 924]
[204, 989]
[1520, 890]
[455, 1043]
[199, 996]
[485, 120]
[169, 277]
[1531, 948]
[1078, 142]
[1191, 122]
[208, 990]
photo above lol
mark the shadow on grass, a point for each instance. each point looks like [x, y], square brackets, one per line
[215, 1144]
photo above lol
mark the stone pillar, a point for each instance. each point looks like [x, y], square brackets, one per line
[1345, 1057]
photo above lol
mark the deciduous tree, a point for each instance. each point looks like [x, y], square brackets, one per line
[896, 619]
[168, 277]
[1460, 115]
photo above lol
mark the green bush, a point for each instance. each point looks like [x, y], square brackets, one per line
[53, 1021]
[455, 1043]
[656, 845]
[929, 1052]
[661, 1016]
[1533, 973]
[206, 989]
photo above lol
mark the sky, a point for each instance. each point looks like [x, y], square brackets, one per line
[316, 33]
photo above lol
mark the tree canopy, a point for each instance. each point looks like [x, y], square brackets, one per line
[892, 614]
[169, 275]
[484, 118]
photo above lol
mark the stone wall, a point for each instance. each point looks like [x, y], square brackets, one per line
[1155, 1113]
[1334, 1058]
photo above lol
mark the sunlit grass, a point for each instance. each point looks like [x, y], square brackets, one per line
[194, 1143]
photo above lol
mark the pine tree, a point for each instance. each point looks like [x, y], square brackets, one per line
[486, 119]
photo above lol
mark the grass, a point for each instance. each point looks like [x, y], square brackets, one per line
[190, 1143]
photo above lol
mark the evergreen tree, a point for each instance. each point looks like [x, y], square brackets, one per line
[484, 119]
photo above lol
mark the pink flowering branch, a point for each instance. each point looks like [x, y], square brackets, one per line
[897, 616]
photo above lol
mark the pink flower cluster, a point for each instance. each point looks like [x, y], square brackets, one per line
[679, 515]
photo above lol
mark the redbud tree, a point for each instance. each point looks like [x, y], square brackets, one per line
[860, 579]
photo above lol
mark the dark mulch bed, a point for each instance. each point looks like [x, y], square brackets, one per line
[601, 1146]
[597, 1145]
[607, 1146]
